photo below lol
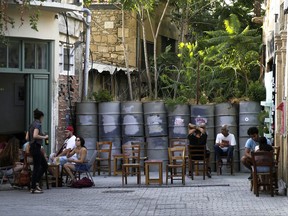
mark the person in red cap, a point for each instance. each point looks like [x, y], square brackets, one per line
[69, 145]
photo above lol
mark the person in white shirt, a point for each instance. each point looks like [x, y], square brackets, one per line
[225, 143]
[68, 146]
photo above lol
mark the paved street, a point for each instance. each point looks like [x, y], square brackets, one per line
[220, 195]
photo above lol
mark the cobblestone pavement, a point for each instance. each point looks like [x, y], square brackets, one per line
[220, 195]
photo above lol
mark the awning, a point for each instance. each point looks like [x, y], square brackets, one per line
[100, 67]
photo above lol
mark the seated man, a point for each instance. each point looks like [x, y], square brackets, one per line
[225, 143]
[68, 146]
[197, 136]
[250, 145]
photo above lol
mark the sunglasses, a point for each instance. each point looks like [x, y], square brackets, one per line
[77, 139]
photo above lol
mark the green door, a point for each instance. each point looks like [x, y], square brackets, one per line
[37, 86]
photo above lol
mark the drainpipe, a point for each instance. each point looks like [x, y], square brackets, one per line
[87, 50]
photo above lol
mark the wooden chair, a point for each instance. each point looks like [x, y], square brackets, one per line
[174, 142]
[87, 171]
[103, 159]
[276, 153]
[28, 161]
[223, 159]
[143, 153]
[176, 157]
[131, 164]
[197, 155]
[263, 170]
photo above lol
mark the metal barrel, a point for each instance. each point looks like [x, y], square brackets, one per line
[155, 119]
[157, 150]
[109, 125]
[87, 124]
[248, 117]
[227, 113]
[205, 114]
[178, 120]
[132, 119]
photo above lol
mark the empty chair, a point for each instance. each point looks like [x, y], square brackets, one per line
[143, 153]
[175, 169]
[180, 142]
[131, 164]
[276, 153]
[197, 156]
[103, 159]
[263, 170]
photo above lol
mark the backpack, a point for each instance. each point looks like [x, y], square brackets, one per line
[84, 182]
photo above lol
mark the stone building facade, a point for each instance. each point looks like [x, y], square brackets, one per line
[275, 41]
[108, 69]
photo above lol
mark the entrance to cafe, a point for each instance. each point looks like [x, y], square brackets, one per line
[20, 94]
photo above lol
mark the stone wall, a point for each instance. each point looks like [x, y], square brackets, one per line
[66, 116]
[106, 37]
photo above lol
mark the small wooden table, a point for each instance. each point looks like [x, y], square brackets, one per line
[149, 180]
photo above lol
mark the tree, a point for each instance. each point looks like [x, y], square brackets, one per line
[126, 53]
[235, 49]
[138, 6]
[155, 37]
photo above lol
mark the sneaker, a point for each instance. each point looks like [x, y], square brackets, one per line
[38, 187]
[36, 191]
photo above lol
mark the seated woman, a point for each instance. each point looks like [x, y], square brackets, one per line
[77, 164]
[9, 156]
[263, 146]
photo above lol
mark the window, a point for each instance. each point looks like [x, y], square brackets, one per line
[66, 60]
[36, 55]
[10, 55]
[150, 51]
[168, 42]
[3, 56]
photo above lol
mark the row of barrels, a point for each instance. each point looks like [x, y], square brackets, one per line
[157, 123]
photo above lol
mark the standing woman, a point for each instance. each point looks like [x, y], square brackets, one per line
[77, 164]
[39, 162]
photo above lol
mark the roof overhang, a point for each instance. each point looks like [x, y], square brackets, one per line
[50, 6]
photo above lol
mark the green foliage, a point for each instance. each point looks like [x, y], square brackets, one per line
[256, 91]
[102, 96]
[203, 99]
[263, 127]
[177, 101]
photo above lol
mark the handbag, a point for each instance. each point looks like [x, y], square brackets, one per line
[22, 178]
